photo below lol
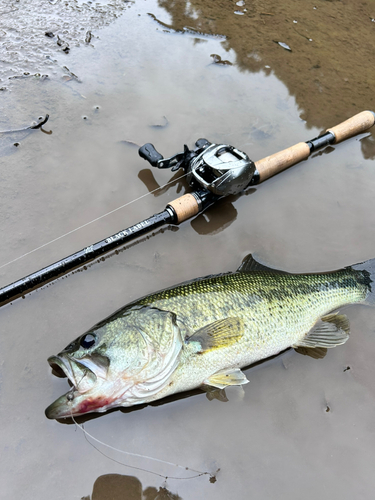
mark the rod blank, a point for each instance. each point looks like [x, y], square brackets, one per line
[85, 255]
[188, 206]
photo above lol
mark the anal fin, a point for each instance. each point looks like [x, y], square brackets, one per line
[331, 330]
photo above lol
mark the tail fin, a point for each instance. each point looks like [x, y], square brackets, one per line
[367, 272]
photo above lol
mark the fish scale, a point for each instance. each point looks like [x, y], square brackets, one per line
[202, 332]
[261, 298]
[277, 310]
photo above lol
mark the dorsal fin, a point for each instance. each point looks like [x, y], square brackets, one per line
[249, 265]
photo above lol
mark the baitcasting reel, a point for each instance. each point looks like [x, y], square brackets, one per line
[217, 168]
[214, 171]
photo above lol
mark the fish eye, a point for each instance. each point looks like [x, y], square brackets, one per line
[87, 340]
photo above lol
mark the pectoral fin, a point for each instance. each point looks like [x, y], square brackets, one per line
[223, 378]
[222, 333]
[328, 332]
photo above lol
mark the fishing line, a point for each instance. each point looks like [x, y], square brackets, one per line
[97, 218]
[88, 435]
[199, 473]
[91, 222]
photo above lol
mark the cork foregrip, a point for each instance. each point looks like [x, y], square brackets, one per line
[184, 207]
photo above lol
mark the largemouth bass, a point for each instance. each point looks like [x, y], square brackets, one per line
[201, 333]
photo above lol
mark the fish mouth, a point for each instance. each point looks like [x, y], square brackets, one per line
[80, 374]
[85, 376]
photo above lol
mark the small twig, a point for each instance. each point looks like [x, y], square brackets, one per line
[49, 132]
[130, 143]
[71, 74]
[166, 122]
[300, 34]
[39, 124]
[34, 126]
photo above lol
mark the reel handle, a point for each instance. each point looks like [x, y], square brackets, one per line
[271, 165]
[149, 153]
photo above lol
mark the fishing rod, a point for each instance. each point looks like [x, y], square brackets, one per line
[213, 171]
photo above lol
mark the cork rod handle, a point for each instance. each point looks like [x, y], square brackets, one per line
[187, 206]
[271, 165]
[184, 207]
[354, 125]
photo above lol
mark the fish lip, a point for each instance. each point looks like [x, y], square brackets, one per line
[87, 376]
[62, 368]
[59, 408]
[63, 365]
[73, 404]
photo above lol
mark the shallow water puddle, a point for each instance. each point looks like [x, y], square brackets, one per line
[160, 78]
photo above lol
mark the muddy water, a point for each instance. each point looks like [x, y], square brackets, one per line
[304, 428]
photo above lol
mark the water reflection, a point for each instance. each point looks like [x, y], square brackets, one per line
[368, 147]
[213, 220]
[119, 487]
[78, 173]
[148, 179]
[320, 78]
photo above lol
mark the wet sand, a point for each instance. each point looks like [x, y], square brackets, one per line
[304, 427]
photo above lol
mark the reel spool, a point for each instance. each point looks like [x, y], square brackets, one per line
[217, 168]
